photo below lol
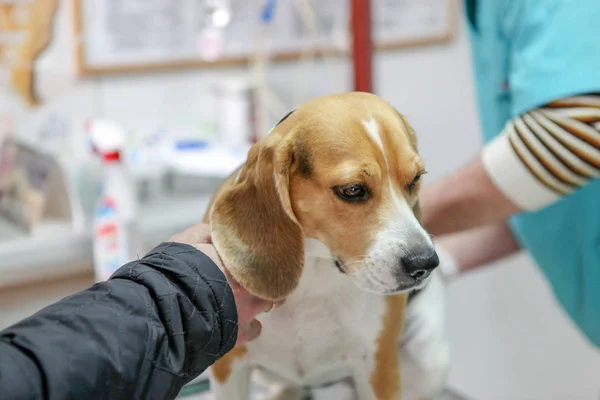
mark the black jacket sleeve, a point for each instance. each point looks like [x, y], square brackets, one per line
[153, 327]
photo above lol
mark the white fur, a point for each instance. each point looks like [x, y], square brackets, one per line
[425, 351]
[327, 331]
[372, 128]
[316, 248]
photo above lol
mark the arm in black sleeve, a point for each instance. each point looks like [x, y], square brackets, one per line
[154, 326]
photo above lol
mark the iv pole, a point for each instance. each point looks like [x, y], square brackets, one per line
[361, 45]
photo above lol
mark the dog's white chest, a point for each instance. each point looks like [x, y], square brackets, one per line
[325, 325]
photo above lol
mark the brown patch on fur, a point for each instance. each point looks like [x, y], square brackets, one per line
[385, 378]
[409, 132]
[401, 150]
[338, 160]
[332, 130]
[303, 157]
[221, 369]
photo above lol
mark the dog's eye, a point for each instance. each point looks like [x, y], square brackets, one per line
[352, 193]
[411, 187]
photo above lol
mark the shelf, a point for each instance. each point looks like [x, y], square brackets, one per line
[53, 250]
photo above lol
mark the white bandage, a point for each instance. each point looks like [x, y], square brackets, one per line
[547, 153]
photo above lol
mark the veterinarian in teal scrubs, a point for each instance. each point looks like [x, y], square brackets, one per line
[535, 185]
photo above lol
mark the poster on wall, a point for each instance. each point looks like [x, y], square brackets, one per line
[26, 31]
[132, 35]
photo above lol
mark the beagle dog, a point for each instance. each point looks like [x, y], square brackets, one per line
[325, 213]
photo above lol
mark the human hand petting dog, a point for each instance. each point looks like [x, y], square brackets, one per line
[248, 306]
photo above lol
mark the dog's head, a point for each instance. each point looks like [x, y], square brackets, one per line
[344, 170]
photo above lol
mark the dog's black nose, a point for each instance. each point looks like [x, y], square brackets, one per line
[419, 263]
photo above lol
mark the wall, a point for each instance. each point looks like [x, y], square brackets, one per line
[509, 338]
[422, 83]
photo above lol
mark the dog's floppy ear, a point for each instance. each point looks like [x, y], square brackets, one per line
[254, 228]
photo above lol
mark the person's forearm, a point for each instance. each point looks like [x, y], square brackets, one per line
[154, 326]
[539, 158]
[464, 200]
[478, 247]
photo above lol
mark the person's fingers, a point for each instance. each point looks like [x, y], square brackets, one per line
[233, 283]
[258, 305]
[203, 231]
[196, 234]
[200, 233]
[261, 306]
[279, 303]
[249, 332]
[254, 330]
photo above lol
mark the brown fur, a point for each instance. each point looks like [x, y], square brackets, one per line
[284, 193]
[385, 379]
[221, 369]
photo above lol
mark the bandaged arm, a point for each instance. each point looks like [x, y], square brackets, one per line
[541, 156]
[547, 153]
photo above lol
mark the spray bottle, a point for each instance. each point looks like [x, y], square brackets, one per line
[117, 239]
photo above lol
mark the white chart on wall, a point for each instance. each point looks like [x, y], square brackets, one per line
[122, 35]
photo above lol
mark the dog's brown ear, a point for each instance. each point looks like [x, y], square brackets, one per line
[254, 228]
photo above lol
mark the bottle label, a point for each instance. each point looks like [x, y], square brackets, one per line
[110, 240]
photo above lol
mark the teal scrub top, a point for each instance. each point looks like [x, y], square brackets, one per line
[527, 53]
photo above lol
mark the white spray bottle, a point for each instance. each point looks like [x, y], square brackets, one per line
[117, 239]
